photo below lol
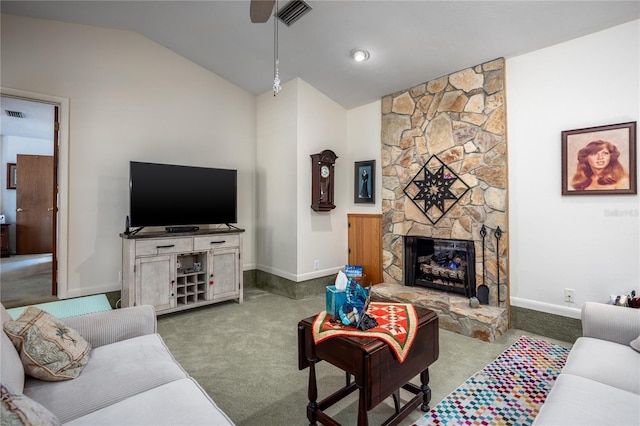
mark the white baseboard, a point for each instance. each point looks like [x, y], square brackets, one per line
[300, 277]
[535, 305]
[81, 292]
[319, 273]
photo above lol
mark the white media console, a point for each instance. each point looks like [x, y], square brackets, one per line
[174, 272]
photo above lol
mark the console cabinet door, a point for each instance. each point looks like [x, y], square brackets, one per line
[155, 281]
[225, 273]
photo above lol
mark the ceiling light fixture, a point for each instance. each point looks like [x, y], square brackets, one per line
[359, 55]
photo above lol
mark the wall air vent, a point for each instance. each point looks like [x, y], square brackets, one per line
[293, 11]
[15, 114]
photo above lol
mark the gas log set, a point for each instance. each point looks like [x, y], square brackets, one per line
[443, 264]
[444, 268]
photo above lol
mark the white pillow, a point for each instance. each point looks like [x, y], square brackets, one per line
[635, 344]
[18, 410]
[49, 350]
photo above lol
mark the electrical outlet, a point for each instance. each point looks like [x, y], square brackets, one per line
[316, 265]
[569, 295]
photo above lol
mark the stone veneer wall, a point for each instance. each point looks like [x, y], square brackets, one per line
[460, 118]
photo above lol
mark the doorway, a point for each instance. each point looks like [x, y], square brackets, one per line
[29, 147]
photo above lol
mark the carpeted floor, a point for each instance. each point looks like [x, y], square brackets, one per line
[245, 357]
[508, 391]
[25, 280]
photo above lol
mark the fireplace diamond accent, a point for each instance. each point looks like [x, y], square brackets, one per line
[435, 189]
[442, 264]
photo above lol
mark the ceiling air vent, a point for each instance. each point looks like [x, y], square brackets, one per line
[15, 114]
[293, 11]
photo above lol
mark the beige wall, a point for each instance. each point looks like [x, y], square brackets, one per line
[276, 174]
[297, 123]
[322, 236]
[587, 243]
[129, 99]
[364, 128]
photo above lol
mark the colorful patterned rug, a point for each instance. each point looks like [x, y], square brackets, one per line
[509, 391]
[397, 323]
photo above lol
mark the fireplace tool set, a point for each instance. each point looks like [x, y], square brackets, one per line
[483, 289]
[498, 234]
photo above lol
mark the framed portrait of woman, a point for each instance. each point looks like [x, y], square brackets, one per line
[599, 160]
[365, 179]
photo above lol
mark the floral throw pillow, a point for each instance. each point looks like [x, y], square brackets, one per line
[49, 350]
[18, 409]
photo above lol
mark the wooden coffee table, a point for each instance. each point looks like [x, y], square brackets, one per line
[378, 373]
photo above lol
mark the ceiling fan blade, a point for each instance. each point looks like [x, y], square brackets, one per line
[260, 10]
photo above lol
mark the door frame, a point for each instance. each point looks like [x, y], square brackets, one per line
[62, 242]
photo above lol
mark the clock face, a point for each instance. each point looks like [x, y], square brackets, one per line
[324, 171]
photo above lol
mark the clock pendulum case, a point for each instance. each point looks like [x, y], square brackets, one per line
[322, 183]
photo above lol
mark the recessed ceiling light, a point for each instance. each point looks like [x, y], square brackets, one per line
[359, 55]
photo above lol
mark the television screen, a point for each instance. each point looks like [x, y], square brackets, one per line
[169, 195]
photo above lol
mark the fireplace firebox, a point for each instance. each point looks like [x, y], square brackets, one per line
[442, 264]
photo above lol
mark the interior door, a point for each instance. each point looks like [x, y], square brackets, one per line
[365, 245]
[35, 204]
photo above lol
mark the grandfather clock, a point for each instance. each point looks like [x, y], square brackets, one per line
[322, 168]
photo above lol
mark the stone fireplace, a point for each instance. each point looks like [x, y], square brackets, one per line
[444, 177]
[442, 264]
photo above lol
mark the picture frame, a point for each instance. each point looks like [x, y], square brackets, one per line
[12, 174]
[600, 160]
[364, 179]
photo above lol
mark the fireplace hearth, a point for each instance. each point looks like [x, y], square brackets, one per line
[442, 264]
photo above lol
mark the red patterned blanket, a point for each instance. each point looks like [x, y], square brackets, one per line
[397, 325]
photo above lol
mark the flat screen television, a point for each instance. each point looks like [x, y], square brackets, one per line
[172, 195]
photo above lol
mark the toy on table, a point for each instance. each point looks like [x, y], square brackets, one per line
[354, 311]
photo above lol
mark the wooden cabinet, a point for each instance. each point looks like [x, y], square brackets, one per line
[365, 245]
[4, 240]
[159, 270]
[224, 272]
[174, 273]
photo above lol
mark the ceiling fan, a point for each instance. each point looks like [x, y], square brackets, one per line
[260, 10]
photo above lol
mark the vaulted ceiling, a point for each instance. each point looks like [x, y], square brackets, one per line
[410, 42]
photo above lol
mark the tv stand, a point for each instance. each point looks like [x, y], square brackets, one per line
[178, 229]
[177, 272]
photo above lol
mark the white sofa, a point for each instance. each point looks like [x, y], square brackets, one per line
[600, 383]
[131, 378]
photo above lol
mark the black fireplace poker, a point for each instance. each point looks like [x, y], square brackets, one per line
[498, 235]
[483, 233]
